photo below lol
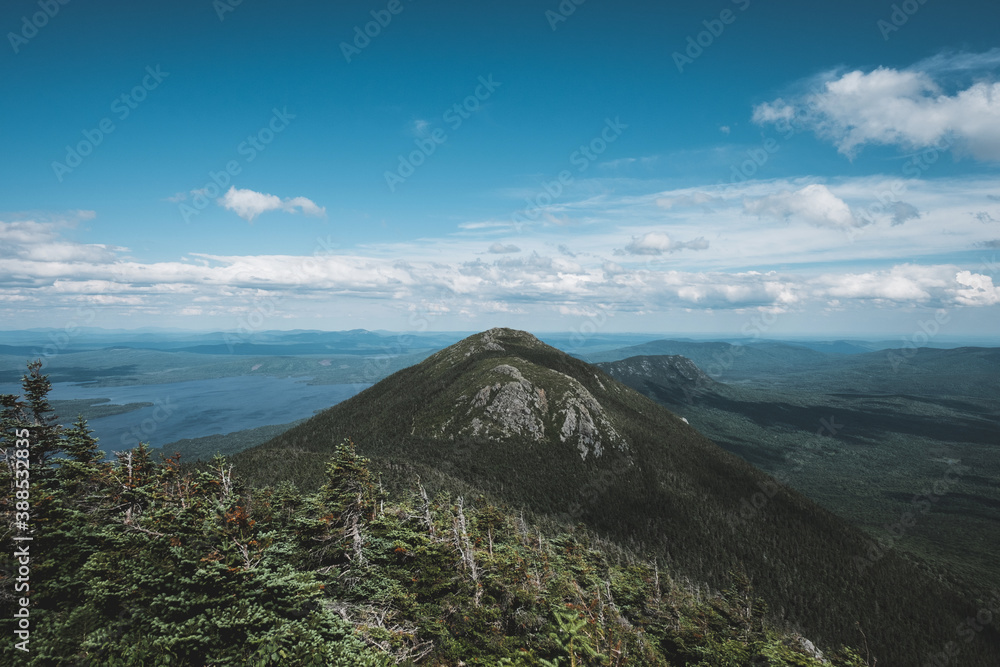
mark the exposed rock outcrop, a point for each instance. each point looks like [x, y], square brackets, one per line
[514, 405]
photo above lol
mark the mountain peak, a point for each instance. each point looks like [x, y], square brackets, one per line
[498, 339]
[505, 383]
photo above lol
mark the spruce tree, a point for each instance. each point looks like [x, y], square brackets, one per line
[44, 428]
[80, 443]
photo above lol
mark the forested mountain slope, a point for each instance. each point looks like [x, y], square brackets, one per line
[506, 415]
[142, 562]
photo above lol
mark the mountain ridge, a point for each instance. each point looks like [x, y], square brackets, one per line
[666, 489]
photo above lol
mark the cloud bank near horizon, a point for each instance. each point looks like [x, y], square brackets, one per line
[835, 249]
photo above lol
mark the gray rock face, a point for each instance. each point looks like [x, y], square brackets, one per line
[510, 408]
[490, 341]
[515, 406]
[677, 368]
[666, 375]
[812, 651]
[584, 422]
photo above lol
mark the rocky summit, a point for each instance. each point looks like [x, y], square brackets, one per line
[501, 396]
[509, 396]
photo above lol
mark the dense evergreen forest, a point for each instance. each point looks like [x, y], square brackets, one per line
[143, 562]
[670, 493]
[410, 557]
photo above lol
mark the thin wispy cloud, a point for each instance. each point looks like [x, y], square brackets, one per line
[102, 276]
[564, 250]
[949, 62]
[42, 242]
[501, 249]
[658, 243]
[621, 163]
[489, 225]
[694, 199]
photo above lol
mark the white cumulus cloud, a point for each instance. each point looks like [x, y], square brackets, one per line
[909, 108]
[976, 290]
[901, 284]
[814, 204]
[248, 204]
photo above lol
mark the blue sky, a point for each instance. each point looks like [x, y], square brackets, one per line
[627, 166]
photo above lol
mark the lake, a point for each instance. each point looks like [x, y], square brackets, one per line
[199, 407]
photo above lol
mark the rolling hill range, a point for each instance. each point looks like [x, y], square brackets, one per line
[864, 456]
[502, 414]
[125, 366]
[725, 361]
[964, 371]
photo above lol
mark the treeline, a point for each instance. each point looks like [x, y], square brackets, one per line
[138, 561]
